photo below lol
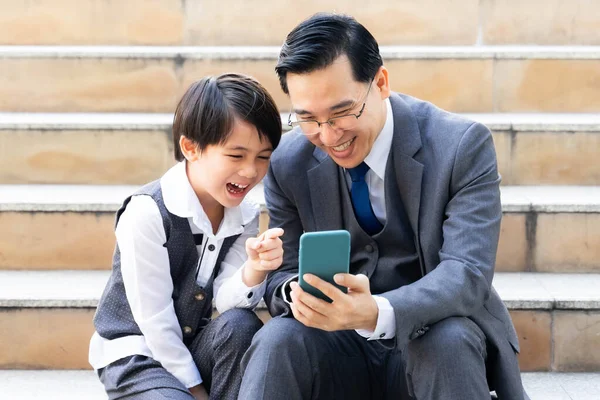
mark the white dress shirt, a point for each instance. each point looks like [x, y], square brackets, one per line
[375, 178]
[377, 162]
[147, 274]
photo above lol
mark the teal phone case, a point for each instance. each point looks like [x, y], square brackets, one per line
[323, 254]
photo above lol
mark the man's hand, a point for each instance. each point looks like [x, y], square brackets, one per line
[355, 310]
[265, 254]
[199, 392]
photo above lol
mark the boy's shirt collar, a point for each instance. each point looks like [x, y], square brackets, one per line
[181, 200]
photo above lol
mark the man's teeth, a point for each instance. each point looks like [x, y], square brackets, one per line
[343, 146]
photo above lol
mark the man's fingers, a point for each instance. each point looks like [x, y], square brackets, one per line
[327, 288]
[356, 283]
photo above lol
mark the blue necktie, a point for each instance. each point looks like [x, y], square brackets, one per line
[361, 202]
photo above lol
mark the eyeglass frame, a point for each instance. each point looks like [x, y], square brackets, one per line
[328, 122]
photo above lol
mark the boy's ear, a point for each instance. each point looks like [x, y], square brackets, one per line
[189, 149]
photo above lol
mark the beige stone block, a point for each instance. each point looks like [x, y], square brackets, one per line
[56, 240]
[576, 341]
[568, 242]
[502, 143]
[455, 85]
[542, 22]
[556, 159]
[84, 157]
[547, 86]
[441, 22]
[45, 338]
[100, 85]
[96, 22]
[535, 339]
[512, 247]
[262, 70]
[263, 221]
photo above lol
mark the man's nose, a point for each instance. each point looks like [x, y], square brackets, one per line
[330, 136]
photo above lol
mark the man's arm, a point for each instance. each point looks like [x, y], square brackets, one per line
[282, 214]
[461, 282]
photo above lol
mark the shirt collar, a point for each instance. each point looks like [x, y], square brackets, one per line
[181, 200]
[377, 158]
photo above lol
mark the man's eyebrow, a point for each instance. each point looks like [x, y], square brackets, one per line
[340, 105]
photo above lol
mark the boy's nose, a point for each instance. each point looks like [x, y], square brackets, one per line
[249, 171]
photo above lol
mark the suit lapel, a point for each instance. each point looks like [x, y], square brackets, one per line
[409, 172]
[324, 189]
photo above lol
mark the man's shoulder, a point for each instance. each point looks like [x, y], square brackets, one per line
[438, 128]
[430, 116]
[293, 148]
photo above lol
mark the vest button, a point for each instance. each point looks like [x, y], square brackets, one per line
[187, 330]
[199, 296]
[211, 247]
[369, 248]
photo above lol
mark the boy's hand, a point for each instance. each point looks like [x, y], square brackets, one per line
[265, 254]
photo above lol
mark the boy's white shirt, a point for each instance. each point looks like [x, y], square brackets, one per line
[147, 276]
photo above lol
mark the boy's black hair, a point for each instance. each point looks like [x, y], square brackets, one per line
[319, 40]
[207, 111]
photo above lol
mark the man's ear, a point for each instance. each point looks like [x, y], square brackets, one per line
[382, 82]
[189, 148]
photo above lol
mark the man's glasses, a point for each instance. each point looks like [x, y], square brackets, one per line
[312, 127]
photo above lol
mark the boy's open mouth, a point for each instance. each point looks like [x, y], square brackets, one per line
[236, 188]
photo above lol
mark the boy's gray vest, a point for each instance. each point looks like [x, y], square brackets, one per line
[192, 303]
[389, 258]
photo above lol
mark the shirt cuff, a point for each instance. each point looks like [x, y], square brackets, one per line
[285, 289]
[191, 378]
[386, 322]
[248, 297]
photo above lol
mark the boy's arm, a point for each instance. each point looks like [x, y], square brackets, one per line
[149, 287]
[229, 289]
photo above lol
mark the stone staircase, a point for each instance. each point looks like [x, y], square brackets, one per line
[88, 88]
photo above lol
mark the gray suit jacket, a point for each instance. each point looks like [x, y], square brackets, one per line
[446, 167]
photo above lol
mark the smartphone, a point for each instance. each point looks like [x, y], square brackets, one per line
[323, 254]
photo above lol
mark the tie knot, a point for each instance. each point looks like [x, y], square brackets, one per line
[358, 173]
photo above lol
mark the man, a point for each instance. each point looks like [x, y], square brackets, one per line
[418, 189]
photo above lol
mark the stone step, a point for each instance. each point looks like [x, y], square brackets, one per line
[152, 79]
[77, 384]
[532, 149]
[45, 318]
[544, 228]
[212, 22]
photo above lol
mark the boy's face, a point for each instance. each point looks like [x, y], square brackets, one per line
[224, 174]
[332, 92]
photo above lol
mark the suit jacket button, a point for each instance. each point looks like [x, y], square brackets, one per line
[369, 248]
[199, 297]
[187, 330]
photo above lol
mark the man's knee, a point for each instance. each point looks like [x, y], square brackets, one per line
[448, 339]
[284, 334]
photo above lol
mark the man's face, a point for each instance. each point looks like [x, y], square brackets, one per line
[332, 92]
